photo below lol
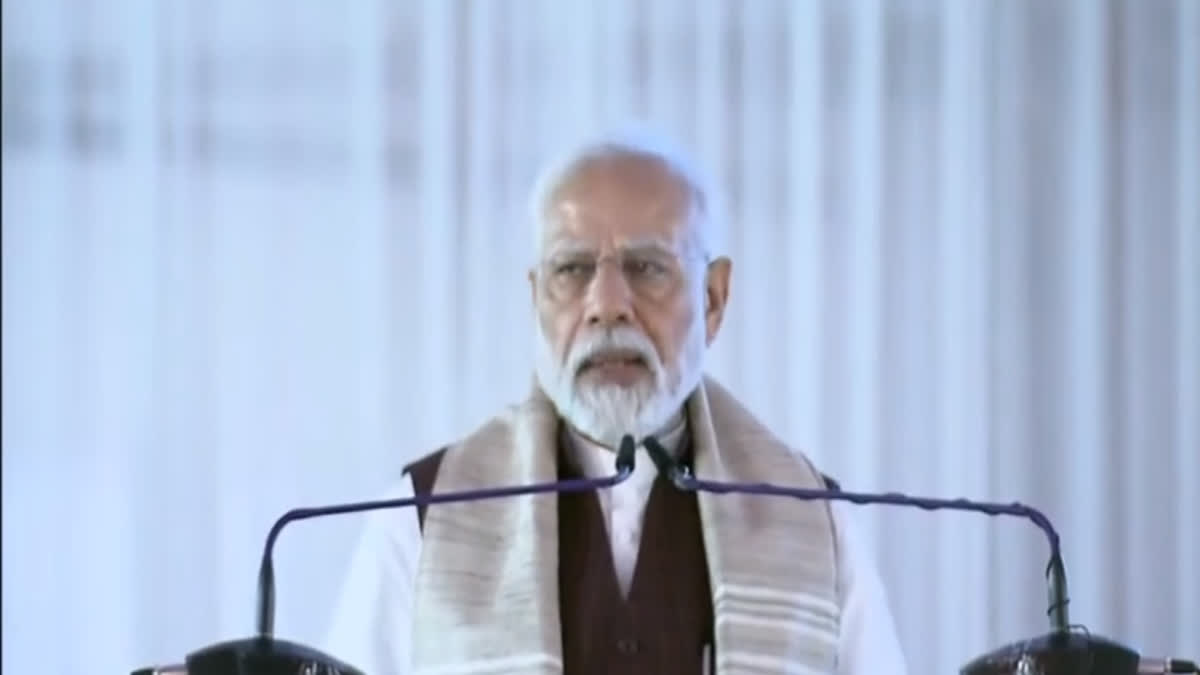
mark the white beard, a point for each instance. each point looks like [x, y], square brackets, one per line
[607, 412]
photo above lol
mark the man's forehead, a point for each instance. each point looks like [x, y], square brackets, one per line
[629, 200]
[626, 181]
[569, 235]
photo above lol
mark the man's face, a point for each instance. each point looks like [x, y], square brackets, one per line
[625, 307]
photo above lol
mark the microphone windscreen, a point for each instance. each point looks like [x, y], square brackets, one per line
[625, 454]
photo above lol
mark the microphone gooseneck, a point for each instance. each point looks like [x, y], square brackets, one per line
[266, 573]
[1056, 574]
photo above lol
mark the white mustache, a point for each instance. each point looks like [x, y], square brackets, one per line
[620, 338]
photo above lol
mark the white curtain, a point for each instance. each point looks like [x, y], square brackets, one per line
[260, 254]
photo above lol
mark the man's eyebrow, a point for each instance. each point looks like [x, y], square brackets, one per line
[568, 247]
[654, 245]
[652, 248]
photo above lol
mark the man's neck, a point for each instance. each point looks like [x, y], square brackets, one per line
[595, 459]
[669, 429]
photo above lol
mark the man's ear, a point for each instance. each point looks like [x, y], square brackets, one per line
[533, 286]
[716, 295]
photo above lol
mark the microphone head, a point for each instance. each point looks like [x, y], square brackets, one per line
[264, 656]
[659, 455]
[1057, 653]
[667, 465]
[625, 455]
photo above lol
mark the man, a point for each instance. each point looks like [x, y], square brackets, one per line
[642, 578]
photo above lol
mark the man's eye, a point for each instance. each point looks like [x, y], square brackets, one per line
[646, 267]
[572, 269]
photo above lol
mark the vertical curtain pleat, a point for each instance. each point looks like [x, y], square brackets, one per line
[857, 310]
[751, 163]
[1186, 459]
[513, 227]
[1085, 317]
[1147, 243]
[802, 231]
[440, 206]
[960, 311]
[372, 251]
[709, 48]
[1011, 314]
[615, 76]
[476, 47]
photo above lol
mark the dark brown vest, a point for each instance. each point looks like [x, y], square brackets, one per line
[665, 623]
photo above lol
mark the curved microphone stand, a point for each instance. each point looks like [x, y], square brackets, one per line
[264, 654]
[1060, 651]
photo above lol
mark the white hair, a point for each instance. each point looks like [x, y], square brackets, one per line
[637, 141]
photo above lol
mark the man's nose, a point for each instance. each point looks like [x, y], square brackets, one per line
[609, 298]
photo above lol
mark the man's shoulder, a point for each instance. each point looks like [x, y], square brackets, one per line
[742, 422]
[496, 428]
[828, 481]
[423, 472]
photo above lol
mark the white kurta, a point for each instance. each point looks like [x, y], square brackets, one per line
[371, 627]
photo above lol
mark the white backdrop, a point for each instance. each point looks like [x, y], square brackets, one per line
[258, 255]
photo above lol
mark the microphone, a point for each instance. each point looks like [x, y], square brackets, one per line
[263, 654]
[1060, 651]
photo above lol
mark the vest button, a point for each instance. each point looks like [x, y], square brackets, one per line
[627, 646]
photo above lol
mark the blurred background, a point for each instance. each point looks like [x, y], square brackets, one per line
[260, 254]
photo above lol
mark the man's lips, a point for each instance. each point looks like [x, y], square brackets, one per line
[612, 358]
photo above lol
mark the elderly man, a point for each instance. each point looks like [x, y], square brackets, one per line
[641, 578]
